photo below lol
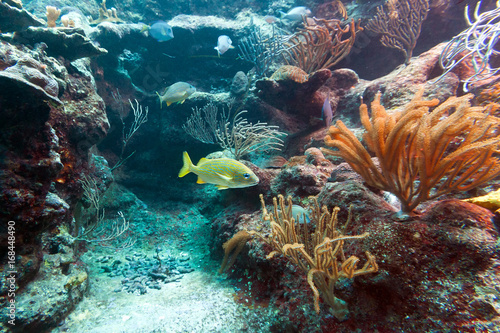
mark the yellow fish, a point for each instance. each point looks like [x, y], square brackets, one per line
[223, 172]
[489, 201]
[177, 92]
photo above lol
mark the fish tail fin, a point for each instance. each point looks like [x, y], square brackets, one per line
[159, 98]
[186, 168]
[145, 27]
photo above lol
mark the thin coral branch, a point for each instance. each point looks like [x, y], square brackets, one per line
[98, 230]
[476, 45]
[320, 44]
[262, 50]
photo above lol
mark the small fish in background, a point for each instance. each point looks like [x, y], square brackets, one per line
[223, 44]
[274, 162]
[176, 93]
[295, 14]
[327, 112]
[160, 30]
[270, 19]
[222, 172]
[298, 213]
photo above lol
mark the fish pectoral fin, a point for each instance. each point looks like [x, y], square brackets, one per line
[168, 103]
[222, 187]
[159, 96]
[200, 181]
[223, 177]
[181, 102]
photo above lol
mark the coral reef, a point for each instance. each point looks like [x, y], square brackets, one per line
[47, 131]
[88, 154]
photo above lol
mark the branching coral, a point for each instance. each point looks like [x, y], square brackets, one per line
[475, 44]
[400, 24]
[237, 135]
[106, 15]
[320, 45]
[422, 154]
[262, 50]
[316, 247]
[52, 16]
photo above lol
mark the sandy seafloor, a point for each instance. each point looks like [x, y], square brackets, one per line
[201, 301]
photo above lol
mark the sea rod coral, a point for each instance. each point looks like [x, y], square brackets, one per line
[316, 247]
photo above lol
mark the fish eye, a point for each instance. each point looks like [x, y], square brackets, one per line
[246, 175]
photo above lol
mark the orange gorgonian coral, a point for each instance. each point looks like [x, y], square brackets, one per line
[422, 154]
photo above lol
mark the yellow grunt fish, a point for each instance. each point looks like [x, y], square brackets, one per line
[176, 93]
[489, 201]
[223, 172]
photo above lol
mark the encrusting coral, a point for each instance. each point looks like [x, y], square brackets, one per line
[289, 72]
[315, 246]
[422, 154]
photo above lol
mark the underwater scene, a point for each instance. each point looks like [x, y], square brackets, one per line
[249, 166]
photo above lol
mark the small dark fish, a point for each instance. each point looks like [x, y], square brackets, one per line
[274, 162]
[270, 19]
[326, 112]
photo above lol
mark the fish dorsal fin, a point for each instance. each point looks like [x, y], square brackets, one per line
[200, 181]
[201, 161]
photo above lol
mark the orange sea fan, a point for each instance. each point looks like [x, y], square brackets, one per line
[416, 149]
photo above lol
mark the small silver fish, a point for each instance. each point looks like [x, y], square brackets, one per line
[326, 112]
[177, 92]
[223, 44]
[223, 172]
[298, 213]
[295, 14]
